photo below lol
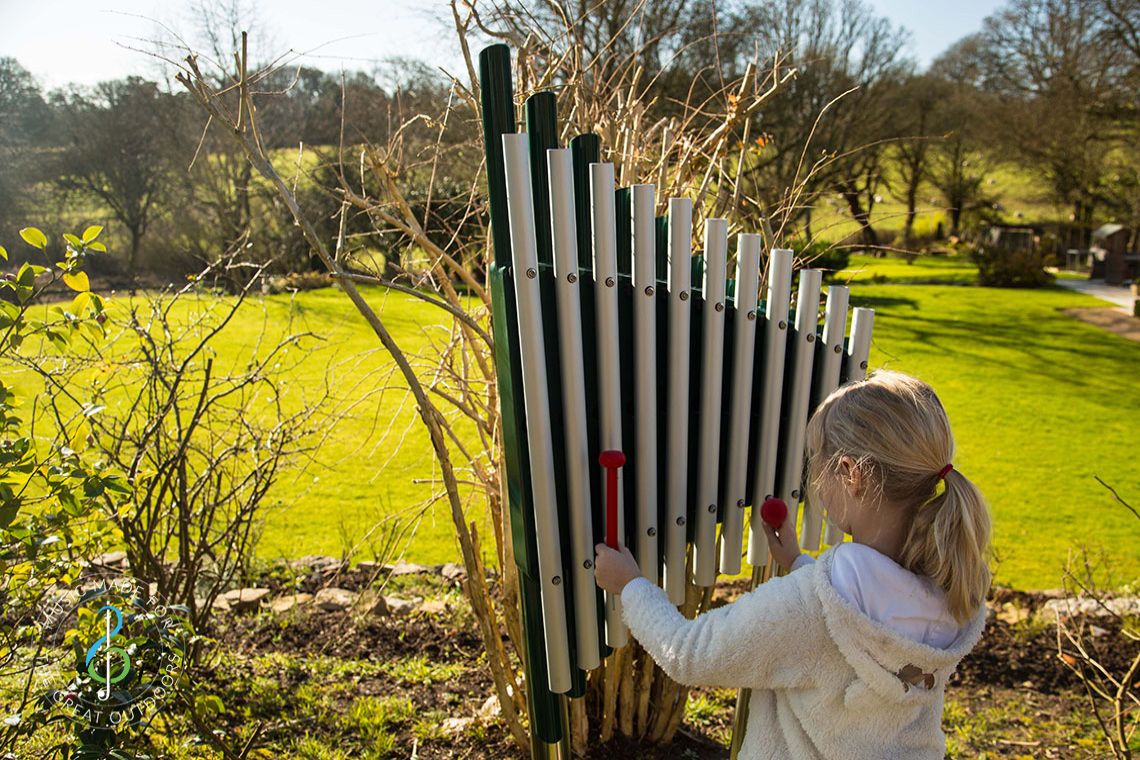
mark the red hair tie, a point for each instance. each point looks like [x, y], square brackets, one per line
[942, 473]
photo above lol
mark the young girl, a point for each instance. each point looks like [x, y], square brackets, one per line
[847, 656]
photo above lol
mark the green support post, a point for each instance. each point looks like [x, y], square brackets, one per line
[547, 711]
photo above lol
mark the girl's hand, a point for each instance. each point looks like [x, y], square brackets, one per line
[614, 569]
[783, 542]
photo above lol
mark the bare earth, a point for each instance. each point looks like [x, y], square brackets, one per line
[1111, 319]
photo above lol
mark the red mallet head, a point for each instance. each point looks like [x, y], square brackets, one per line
[611, 459]
[774, 512]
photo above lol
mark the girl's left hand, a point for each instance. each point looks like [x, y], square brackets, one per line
[613, 569]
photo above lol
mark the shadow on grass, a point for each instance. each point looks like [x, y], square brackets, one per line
[1045, 345]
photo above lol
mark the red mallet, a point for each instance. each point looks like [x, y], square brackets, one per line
[774, 511]
[611, 460]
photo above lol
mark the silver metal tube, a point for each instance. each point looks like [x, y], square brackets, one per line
[743, 353]
[803, 357]
[536, 399]
[677, 442]
[645, 375]
[859, 347]
[826, 380]
[603, 219]
[771, 388]
[712, 373]
[862, 322]
[575, 438]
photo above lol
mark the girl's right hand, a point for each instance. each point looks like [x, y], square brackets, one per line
[783, 542]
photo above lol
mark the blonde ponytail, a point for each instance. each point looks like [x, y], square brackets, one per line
[895, 429]
[948, 540]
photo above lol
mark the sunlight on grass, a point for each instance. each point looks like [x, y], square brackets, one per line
[1037, 401]
[422, 670]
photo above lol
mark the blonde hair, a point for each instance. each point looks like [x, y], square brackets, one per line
[895, 429]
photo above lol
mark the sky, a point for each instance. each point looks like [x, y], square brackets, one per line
[86, 41]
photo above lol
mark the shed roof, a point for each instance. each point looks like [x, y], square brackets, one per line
[1107, 230]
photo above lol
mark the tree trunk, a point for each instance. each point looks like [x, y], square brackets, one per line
[863, 218]
[908, 223]
[133, 256]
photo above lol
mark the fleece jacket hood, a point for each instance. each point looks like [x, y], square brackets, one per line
[828, 682]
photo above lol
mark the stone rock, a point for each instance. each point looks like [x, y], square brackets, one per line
[334, 599]
[116, 559]
[435, 607]
[319, 563]
[1012, 614]
[245, 599]
[220, 604]
[397, 606]
[491, 708]
[370, 602]
[408, 568]
[455, 726]
[452, 572]
[1124, 606]
[57, 599]
[289, 603]
[368, 567]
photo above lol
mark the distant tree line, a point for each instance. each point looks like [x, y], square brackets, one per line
[1048, 85]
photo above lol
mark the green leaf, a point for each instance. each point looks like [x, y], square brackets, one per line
[73, 239]
[114, 483]
[91, 233]
[34, 237]
[81, 302]
[97, 247]
[8, 514]
[77, 281]
[69, 503]
[3, 253]
[208, 704]
[57, 340]
[26, 276]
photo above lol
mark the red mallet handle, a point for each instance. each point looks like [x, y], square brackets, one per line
[611, 460]
[774, 512]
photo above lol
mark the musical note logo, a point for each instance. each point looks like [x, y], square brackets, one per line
[102, 646]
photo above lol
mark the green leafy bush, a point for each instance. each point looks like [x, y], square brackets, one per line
[1004, 268]
[820, 254]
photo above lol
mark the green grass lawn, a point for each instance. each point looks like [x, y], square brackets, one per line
[374, 467]
[1040, 403]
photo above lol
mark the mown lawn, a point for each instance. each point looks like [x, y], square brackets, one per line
[373, 469]
[1040, 403]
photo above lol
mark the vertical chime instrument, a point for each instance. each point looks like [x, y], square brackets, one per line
[612, 337]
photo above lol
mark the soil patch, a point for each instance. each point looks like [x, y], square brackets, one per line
[1110, 319]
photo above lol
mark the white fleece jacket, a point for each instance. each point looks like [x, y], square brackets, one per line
[827, 680]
